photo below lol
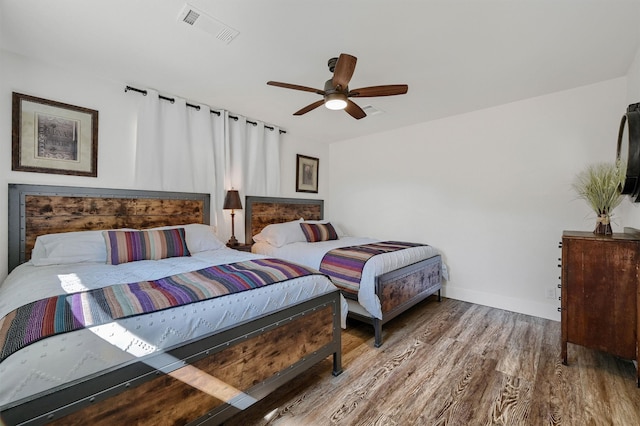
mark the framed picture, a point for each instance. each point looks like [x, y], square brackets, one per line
[52, 137]
[307, 175]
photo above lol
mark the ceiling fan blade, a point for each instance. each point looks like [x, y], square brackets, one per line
[345, 67]
[388, 90]
[310, 107]
[354, 110]
[296, 87]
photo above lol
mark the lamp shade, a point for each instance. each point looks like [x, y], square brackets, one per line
[336, 101]
[232, 200]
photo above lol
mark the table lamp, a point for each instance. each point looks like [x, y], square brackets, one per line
[232, 202]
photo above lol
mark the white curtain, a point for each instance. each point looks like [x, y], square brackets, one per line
[252, 165]
[220, 145]
[256, 160]
[173, 146]
[272, 161]
[180, 148]
[255, 157]
[237, 161]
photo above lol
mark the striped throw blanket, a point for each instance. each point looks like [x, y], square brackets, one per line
[61, 314]
[344, 265]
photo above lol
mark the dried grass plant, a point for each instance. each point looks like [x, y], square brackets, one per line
[599, 185]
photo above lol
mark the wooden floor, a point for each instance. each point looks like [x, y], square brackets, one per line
[456, 363]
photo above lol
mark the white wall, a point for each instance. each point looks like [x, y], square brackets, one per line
[633, 81]
[291, 146]
[491, 189]
[116, 135]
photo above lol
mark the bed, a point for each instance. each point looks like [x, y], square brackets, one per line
[391, 282]
[199, 363]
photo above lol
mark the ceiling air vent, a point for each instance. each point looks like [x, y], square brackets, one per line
[191, 17]
[198, 19]
[371, 110]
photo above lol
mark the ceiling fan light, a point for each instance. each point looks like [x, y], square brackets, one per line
[336, 101]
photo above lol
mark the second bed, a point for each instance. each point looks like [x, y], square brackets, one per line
[391, 282]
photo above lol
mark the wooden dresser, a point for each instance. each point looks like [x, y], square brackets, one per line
[600, 283]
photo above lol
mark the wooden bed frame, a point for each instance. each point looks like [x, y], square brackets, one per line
[203, 381]
[397, 290]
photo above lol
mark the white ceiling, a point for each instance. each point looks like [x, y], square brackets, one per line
[455, 55]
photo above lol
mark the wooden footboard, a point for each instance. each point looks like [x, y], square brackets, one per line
[401, 289]
[203, 382]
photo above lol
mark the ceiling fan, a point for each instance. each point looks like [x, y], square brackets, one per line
[336, 91]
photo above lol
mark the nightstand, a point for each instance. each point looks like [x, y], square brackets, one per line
[242, 247]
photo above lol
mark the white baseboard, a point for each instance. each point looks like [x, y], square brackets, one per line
[522, 306]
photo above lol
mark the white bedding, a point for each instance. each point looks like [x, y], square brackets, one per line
[59, 359]
[311, 254]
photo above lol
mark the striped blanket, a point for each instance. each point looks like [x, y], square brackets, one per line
[62, 314]
[344, 265]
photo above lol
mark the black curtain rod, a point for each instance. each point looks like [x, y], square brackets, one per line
[197, 107]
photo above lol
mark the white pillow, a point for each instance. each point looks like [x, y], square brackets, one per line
[69, 247]
[199, 237]
[89, 246]
[280, 234]
[337, 229]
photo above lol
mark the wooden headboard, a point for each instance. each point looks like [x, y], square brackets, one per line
[263, 211]
[41, 209]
